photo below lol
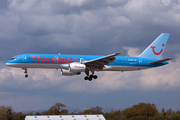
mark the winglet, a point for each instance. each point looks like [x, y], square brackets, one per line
[160, 61]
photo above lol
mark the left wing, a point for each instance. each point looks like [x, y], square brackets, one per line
[102, 60]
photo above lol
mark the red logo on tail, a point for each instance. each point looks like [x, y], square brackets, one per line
[157, 53]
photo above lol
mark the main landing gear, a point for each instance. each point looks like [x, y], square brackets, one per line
[90, 77]
[25, 71]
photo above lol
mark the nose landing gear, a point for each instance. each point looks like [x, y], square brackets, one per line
[26, 75]
[25, 71]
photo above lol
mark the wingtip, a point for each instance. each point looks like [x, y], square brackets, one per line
[171, 58]
[165, 33]
[118, 53]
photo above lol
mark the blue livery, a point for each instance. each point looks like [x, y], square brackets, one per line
[75, 64]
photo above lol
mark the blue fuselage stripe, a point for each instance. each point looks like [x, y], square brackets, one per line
[67, 59]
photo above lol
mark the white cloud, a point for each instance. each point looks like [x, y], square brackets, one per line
[66, 41]
[166, 2]
[114, 1]
[120, 21]
[153, 11]
[21, 5]
[162, 78]
[75, 2]
[132, 51]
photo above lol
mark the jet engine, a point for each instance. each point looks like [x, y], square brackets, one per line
[77, 67]
[69, 73]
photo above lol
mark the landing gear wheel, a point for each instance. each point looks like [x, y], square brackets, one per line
[86, 78]
[26, 76]
[95, 76]
[90, 78]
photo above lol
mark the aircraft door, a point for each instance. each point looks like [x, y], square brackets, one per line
[24, 58]
[140, 62]
[81, 60]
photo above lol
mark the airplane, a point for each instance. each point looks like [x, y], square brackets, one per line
[75, 64]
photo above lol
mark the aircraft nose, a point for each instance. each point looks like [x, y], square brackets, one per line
[7, 63]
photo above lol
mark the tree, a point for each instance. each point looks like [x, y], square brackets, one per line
[52, 111]
[37, 113]
[163, 110]
[56, 109]
[175, 116]
[73, 113]
[114, 115]
[6, 113]
[141, 109]
[9, 113]
[93, 110]
[177, 112]
[130, 112]
[158, 116]
[20, 116]
[60, 106]
[87, 112]
[97, 110]
[168, 112]
[63, 112]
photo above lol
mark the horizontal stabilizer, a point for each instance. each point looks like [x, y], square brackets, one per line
[160, 61]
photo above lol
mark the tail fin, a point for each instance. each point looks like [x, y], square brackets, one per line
[156, 48]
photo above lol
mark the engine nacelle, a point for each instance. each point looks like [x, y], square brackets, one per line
[69, 73]
[77, 67]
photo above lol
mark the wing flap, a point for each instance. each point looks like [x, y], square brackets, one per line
[160, 61]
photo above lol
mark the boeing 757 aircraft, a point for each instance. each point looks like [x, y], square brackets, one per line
[75, 64]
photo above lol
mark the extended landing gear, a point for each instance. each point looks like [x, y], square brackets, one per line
[26, 75]
[25, 71]
[90, 77]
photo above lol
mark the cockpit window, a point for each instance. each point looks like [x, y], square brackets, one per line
[13, 58]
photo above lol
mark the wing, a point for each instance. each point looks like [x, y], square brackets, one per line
[102, 60]
[160, 61]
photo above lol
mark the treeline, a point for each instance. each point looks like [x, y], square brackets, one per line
[141, 111]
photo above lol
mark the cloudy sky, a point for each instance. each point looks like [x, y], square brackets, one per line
[93, 27]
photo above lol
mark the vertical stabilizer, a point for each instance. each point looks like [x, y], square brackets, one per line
[156, 48]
